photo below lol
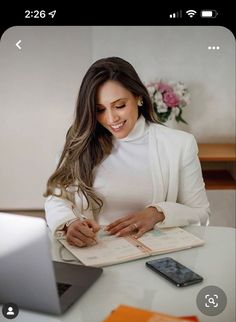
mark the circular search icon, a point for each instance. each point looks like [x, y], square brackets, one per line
[211, 300]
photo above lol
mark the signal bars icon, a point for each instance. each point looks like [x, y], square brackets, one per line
[191, 13]
[177, 14]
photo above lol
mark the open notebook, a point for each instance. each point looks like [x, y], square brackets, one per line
[113, 250]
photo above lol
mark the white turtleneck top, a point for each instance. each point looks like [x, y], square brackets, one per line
[124, 178]
[153, 166]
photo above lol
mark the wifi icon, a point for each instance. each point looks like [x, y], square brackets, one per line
[191, 13]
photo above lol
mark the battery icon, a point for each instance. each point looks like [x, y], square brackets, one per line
[209, 13]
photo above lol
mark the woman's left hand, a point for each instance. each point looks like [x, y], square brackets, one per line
[139, 223]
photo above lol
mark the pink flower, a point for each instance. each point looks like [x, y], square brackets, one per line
[170, 99]
[161, 87]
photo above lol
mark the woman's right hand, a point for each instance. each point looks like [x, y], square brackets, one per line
[82, 233]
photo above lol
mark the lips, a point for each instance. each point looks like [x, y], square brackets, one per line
[118, 126]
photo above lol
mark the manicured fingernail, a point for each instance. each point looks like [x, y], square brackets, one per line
[117, 234]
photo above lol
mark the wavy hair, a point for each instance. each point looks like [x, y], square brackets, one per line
[87, 142]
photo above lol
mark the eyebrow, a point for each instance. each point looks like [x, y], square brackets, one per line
[119, 99]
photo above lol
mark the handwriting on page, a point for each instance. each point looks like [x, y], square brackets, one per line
[108, 250]
[171, 239]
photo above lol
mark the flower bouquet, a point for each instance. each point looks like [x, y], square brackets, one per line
[169, 99]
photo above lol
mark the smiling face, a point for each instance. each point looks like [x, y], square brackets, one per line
[117, 108]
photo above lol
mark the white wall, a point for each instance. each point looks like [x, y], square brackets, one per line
[181, 53]
[39, 85]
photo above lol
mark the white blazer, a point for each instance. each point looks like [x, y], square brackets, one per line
[179, 190]
[177, 172]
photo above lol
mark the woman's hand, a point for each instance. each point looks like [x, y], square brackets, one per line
[138, 223]
[82, 233]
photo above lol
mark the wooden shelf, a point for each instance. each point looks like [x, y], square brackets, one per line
[214, 155]
[217, 152]
[218, 179]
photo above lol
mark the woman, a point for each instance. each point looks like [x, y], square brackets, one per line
[119, 166]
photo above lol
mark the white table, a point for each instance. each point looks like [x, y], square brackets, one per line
[135, 285]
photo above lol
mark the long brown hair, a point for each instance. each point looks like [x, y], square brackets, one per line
[87, 142]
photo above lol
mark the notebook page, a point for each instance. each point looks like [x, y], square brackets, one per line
[169, 239]
[109, 250]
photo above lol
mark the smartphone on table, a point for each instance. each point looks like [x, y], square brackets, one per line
[174, 271]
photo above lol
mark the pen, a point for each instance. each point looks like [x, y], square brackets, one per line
[78, 215]
[83, 218]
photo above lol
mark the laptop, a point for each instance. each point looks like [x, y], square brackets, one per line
[28, 276]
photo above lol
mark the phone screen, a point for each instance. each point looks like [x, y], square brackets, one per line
[175, 272]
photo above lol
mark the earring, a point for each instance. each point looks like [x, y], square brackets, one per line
[140, 102]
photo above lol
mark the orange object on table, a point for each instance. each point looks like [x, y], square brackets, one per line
[126, 313]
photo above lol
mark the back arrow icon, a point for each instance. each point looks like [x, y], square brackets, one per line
[18, 44]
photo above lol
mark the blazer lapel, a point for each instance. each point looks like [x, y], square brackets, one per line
[155, 165]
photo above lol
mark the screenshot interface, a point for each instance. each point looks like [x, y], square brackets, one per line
[44, 56]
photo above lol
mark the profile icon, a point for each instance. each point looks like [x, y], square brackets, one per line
[10, 310]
